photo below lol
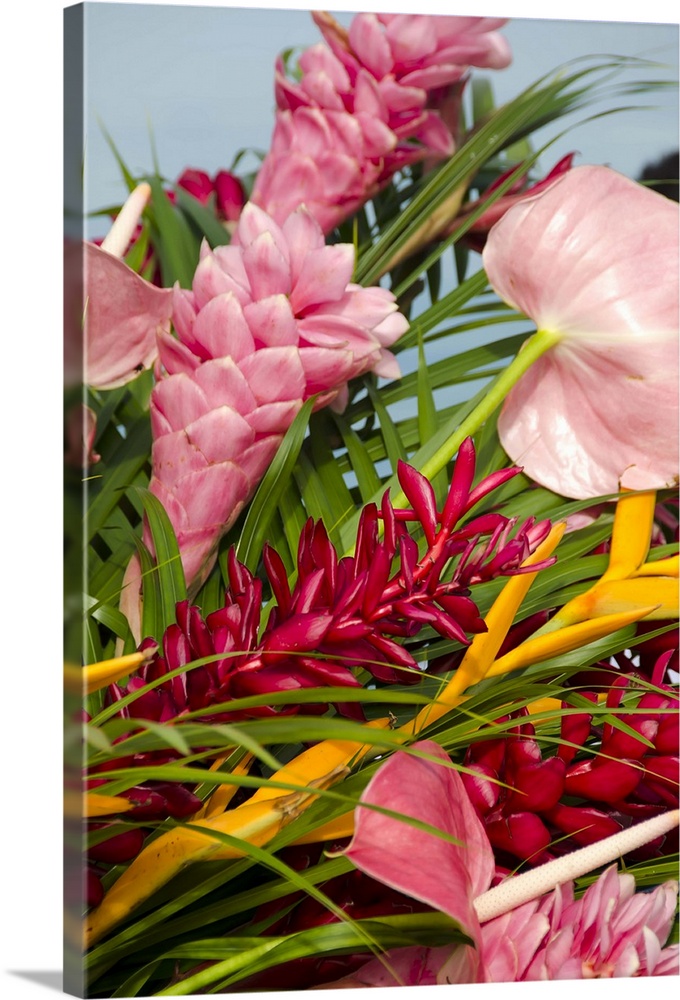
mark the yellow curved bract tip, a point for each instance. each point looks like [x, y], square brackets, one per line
[661, 567]
[483, 649]
[564, 640]
[336, 829]
[93, 804]
[657, 592]
[631, 534]
[313, 764]
[95, 676]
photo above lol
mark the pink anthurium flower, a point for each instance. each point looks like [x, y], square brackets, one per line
[519, 932]
[123, 312]
[593, 261]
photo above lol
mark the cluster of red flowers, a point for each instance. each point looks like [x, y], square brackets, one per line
[535, 807]
[342, 613]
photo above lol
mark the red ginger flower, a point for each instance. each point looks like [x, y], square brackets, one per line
[626, 780]
[268, 323]
[354, 611]
[344, 612]
[360, 109]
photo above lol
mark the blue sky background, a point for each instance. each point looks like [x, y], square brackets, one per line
[202, 79]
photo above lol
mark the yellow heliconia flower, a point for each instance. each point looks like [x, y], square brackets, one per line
[629, 590]
[256, 821]
[629, 581]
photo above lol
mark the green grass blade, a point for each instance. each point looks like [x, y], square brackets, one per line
[270, 491]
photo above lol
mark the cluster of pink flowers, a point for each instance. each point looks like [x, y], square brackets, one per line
[365, 106]
[269, 322]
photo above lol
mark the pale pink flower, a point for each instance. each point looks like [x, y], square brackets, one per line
[611, 931]
[123, 315]
[122, 312]
[269, 322]
[518, 932]
[594, 260]
[361, 108]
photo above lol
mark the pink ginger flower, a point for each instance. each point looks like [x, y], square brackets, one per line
[518, 932]
[268, 323]
[593, 260]
[611, 931]
[360, 110]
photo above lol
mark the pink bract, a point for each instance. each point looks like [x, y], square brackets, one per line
[365, 105]
[593, 259]
[271, 320]
[123, 315]
[447, 875]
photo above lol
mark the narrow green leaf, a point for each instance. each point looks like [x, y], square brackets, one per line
[121, 467]
[177, 247]
[137, 981]
[152, 614]
[360, 460]
[168, 568]
[202, 217]
[393, 443]
[127, 175]
[168, 735]
[427, 418]
[270, 491]
[338, 501]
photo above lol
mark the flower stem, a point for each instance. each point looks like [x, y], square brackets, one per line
[523, 888]
[530, 351]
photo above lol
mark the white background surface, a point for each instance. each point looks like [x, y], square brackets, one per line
[30, 687]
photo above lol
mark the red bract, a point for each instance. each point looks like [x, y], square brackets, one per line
[228, 191]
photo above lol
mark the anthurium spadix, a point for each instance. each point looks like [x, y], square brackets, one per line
[593, 261]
